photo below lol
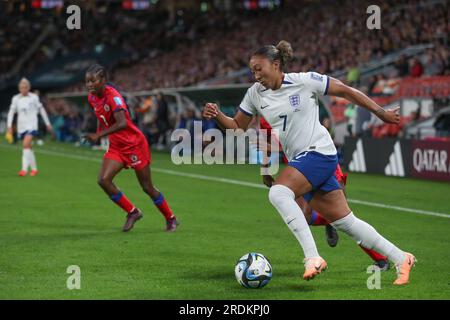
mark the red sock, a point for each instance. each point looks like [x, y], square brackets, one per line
[123, 202]
[318, 220]
[373, 254]
[163, 207]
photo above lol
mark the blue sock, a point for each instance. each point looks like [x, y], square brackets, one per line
[158, 200]
[313, 218]
[116, 197]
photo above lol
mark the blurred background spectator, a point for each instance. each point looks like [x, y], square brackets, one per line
[155, 51]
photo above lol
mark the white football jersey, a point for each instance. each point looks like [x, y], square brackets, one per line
[293, 110]
[27, 107]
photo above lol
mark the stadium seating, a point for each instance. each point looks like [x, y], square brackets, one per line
[159, 51]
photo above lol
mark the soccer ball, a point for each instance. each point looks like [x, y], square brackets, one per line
[253, 270]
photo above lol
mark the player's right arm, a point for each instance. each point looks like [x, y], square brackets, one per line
[242, 117]
[12, 111]
[119, 124]
[240, 120]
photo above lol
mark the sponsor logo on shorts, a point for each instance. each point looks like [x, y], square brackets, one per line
[135, 160]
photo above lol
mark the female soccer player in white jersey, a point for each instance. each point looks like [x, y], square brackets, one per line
[289, 103]
[27, 106]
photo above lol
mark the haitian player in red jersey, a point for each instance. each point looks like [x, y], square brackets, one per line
[313, 217]
[128, 148]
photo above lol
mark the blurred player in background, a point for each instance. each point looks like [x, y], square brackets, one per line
[289, 103]
[128, 147]
[27, 106]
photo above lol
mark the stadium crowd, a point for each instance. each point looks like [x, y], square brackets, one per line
[160, 52]
[314, 48]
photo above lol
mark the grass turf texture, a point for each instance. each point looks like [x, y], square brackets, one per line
[61, 218]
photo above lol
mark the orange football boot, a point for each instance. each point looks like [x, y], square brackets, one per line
[314, 266]
[404, 269]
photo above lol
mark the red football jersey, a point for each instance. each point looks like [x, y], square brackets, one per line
[340, 176]
[263, 124]
[104, 108]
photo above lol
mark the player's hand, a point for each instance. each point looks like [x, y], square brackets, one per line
[92, 137]
[390, 115]
[263, 146]
[49, 128]
[9, 136]
[268, 180]
[210, 111]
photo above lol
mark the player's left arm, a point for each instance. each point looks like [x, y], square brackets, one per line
[266, 148]
[337, 88]
[44, 115]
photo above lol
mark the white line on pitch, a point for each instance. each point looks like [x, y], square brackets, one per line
[238, 182]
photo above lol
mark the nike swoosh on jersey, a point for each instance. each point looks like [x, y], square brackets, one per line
[264, 107]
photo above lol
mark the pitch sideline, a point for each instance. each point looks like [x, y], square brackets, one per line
[237, 182]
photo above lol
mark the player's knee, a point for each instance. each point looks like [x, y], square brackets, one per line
[149, 190]
[103, 181]
[279, 193]
[100, 181]
[345, 224]
[360, 231]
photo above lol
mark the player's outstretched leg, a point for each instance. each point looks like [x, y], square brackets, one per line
[110, 168]
[335, 208]
[314, 218]
[145, 180]
[282, 197]
[368, 237]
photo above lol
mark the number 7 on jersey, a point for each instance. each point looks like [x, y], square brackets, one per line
[284, 117]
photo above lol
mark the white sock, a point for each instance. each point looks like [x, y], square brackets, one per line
[32, 160]
[25, 159]
[283, 199]
[368, 237]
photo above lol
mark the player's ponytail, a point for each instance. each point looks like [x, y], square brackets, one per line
[285, 51]
[282, 52]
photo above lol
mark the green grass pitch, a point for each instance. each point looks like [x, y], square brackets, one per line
[61, 218]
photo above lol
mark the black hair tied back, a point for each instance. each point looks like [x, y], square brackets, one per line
[285, 52]
[282, 52]
[97, 69]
